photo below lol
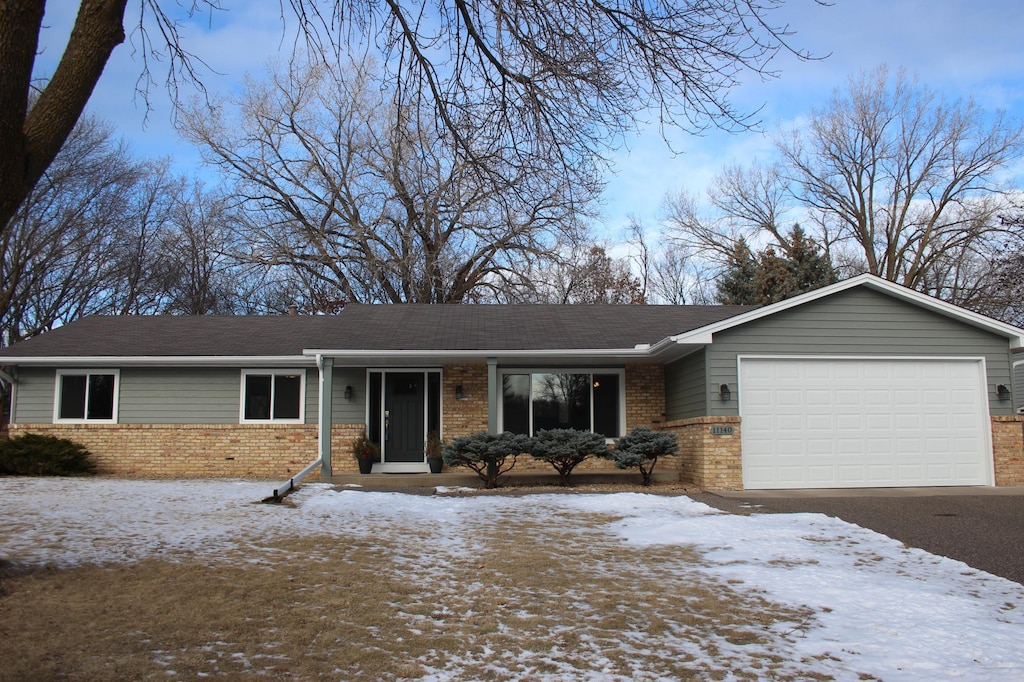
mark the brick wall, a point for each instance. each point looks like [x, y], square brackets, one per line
[645, 395]
[1008, 450]
[204, 450]
[707, 461]
[463, 417]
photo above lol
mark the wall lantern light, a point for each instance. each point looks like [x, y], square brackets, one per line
[459, 393]
[348, 393]
[1003, 392]
[725, 393]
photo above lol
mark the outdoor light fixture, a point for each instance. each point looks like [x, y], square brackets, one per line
[725, 393]
[348, 393]
[1003, 392]
[459, 394]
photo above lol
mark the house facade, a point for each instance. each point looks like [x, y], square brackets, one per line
[863, 383]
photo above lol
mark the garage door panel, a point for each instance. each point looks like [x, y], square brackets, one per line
[879, 422]
[848, 398]
[853, 423]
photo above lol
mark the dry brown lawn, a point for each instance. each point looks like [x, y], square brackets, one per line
[554, 598]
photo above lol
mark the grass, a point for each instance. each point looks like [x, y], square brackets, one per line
[529, 597]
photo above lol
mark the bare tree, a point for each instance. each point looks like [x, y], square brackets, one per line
[56, 255]
[892, 179]
[668, 271]
[339, 182]
[583, 273]
[197, 261]
[540, 78]
[905, 179]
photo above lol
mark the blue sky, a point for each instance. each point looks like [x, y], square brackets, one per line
[962, 48]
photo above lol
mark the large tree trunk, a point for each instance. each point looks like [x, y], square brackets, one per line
[30, 139]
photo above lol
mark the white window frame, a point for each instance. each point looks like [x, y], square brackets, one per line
[58, 388]
[621, 372]
[273, 387]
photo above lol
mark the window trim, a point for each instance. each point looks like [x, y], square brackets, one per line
[58, 390]
[301, 371]
[620, 371]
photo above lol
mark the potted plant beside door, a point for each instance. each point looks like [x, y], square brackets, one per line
[366, 453]
[434, 452]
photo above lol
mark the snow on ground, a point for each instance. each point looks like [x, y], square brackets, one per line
[883, 609]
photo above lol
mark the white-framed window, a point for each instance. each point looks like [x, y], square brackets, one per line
[86, 396]
[273, 395]
[582, 399]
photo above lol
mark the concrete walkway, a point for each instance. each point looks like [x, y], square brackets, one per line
[983, 527]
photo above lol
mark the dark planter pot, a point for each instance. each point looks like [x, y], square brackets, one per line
[365, 466]
[435, 464]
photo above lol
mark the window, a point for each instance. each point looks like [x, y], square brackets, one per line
[583, 401]
[273, 396]
[86, 396]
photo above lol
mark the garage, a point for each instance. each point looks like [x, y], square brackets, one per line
[863, 422]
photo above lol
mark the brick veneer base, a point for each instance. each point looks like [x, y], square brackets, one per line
[204, 450]
[707, 461]
[1008, 450]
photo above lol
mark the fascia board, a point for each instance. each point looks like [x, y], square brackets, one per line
[705, 335]
[163, 361]
[641, 352]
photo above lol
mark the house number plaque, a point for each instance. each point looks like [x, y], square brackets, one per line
[721, 430]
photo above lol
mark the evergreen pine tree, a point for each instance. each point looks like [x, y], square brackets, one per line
[769, 277]
[774, 279]
[811, 268]
[737, 284]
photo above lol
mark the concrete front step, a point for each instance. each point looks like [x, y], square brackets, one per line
[470, 480]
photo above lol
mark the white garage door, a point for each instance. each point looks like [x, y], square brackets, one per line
[826, 423]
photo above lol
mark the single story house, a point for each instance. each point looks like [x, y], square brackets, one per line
[862, 383]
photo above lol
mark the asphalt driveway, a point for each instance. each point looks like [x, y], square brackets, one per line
[983, 527]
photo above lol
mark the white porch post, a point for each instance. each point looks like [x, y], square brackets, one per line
[492, 395]
[326, 366]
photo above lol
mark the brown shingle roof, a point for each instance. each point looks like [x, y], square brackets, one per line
[375, 327]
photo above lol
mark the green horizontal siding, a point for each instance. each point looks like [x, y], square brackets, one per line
[349, 411]
[180, 395]
[684, 387]
[855, 322]
[33, 396]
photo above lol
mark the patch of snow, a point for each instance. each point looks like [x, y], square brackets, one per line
[881, 608]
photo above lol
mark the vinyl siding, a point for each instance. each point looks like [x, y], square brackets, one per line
[348, 411]
[180, 395]
[187, 395]
[855, 322]
[33, 396]
[685, 396]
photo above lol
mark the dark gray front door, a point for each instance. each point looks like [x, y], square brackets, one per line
[403, 417]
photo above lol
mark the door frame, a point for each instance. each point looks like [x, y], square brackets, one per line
[384, 466]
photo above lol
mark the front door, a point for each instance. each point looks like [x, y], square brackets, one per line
[403, 417]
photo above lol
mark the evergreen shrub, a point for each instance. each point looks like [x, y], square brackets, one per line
[32, 454]
[641, 448]
[564, 449]
[489, 455]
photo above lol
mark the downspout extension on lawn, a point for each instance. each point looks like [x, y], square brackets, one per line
[288, 486]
